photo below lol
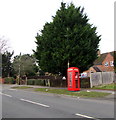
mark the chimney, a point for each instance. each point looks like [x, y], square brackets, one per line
[98, 53]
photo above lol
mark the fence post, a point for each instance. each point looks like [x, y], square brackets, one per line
[101, 78]
[49, 82]
[26, 80]
[91, 85]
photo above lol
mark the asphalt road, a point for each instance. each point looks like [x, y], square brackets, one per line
[28, 104]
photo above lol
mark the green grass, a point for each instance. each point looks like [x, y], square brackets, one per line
[21, 87]
[66, 92]
[109, 86]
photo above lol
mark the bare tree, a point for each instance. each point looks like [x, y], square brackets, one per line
[3, 44]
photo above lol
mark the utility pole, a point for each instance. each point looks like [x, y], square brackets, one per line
[67, 35]
[19, 69]
[68, 63]
[19, 76]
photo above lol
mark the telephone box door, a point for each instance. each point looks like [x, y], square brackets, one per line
[73, 79]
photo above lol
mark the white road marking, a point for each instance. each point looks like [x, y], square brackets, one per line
[5, 94]
[13, 89]
[35, 103]
[85, 116]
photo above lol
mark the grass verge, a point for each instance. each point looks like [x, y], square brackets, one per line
[21, 87]
[66, 92]
[108, 87]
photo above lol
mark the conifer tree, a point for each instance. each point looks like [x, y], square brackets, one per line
[69, 37]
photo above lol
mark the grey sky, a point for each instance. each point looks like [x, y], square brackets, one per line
[20, 20]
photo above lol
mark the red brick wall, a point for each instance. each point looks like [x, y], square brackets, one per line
[91, 69]
[108, 59]
[1, 80]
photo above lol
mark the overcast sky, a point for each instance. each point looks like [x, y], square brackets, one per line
[20, 20]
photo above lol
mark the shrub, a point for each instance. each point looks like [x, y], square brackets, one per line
[40, 82]
[85, 82]
[43, 81]
[30, 82]
[9, 80]
[36, 82]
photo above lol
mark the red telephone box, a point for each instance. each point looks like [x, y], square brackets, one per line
[73, 79]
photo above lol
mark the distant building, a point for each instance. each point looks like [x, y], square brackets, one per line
[104, 63]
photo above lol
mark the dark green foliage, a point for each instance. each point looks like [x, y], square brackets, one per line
[9, 80]
[30, 82]
[7, 68]
[40, 82]
[58, 82]
[85, 82]
[69, 37]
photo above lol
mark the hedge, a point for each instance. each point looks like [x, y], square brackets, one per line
[84, 82]
[36, 82]
[9, 80]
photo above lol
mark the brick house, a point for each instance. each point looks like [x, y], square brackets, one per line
[104, 63]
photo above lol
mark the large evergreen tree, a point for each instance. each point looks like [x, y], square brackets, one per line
[69, 37]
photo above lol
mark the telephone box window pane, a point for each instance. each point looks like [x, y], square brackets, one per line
[70, 79]
[76, 79]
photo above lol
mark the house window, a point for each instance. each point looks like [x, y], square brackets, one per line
[111, 63]
[106, 64]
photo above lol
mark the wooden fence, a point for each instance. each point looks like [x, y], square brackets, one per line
[102, 78]
[56, 81]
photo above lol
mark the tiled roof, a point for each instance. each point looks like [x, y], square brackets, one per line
[97, 69]
[113, 53]
[101, 58]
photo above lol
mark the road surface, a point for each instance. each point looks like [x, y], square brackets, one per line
[28, 104]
